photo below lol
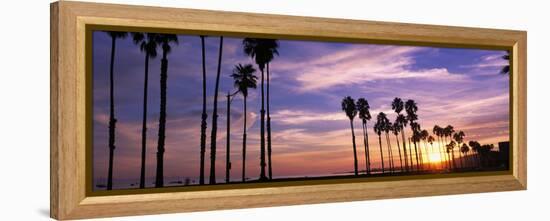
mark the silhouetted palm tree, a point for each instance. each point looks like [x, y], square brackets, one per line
[415, 127]
[147, 43]
[204, 115]
[464, 150]
[112, 120]
[396, 128]
[244, 79]
[411, 109]
[424, 137]
[506, 68]
[364, 114]
[401, 122]
[438, 131]
[476, 149]
[459, 138]
[348, 106]
[450, 149]
[378, 128]
[448, 131]
[262, 51]
[164, 40]
[431, 140]
[387, 128]
[213, 135]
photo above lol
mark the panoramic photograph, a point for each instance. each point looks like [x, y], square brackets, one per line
[187, 110]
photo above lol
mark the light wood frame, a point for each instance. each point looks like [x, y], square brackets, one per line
[68, 196]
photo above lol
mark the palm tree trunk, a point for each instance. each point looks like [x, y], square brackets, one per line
[244, 142]
[368, 148]
[416, 153]
[410, 155]
[159, 181]
[228, 138]
[381, 152]
[367, 163]
[441, 153]
[204, 115]
[399, 149]
[404, 150]
[390, 155]
[354, 148]
[268, 126]
[215, 119]
[262, 133]
[112, 119]
[144, 123]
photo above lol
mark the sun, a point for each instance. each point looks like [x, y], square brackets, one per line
[435, 158]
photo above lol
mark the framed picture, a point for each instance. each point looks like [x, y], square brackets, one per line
[160, 110]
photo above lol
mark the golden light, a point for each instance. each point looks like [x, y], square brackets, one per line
[435, 158]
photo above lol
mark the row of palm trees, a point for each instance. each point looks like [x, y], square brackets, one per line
[262, 51]
[448, 140]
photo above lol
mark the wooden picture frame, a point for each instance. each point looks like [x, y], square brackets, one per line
[70, 199]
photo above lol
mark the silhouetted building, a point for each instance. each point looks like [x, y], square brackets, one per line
[504, 152]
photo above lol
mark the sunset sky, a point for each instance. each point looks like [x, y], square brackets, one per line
[311, 135]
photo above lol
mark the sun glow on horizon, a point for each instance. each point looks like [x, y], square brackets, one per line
[435, 158]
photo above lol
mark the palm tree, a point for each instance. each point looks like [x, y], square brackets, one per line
[262, 51]
[396, 128]
[244, 79]
[387, 128]
[147, 43]
[431, 140]
[112, 120]
[438, 131]
[378, 128]
[459, 138]
[506, 68]
[215, 119]
[415, 127]
[348, 106]
[450, 149]
[476, 149]
[364, 114]
[204, 115]
[164, 40]
[411, 109]
[448, 131]
[401, 122]
[424, 136]
[465, 149]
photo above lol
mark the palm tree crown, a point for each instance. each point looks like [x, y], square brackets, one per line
[363, 108]
[348, 106]
[244, 78]
[262, 50]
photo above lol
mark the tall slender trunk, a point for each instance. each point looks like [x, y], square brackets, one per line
[215, 119]
[441, 153]
[354, 148]
[399, 149]
[144, 123]
[268, 126]
[416, 153]
[244, 142]
[228, 139]
[390, 155]
[410, 155]
[381, 152]
[460, 155]
[404, 149]
[159, 180]
[365, 142]
[204, 115]
[262, 133]
[112, 119]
